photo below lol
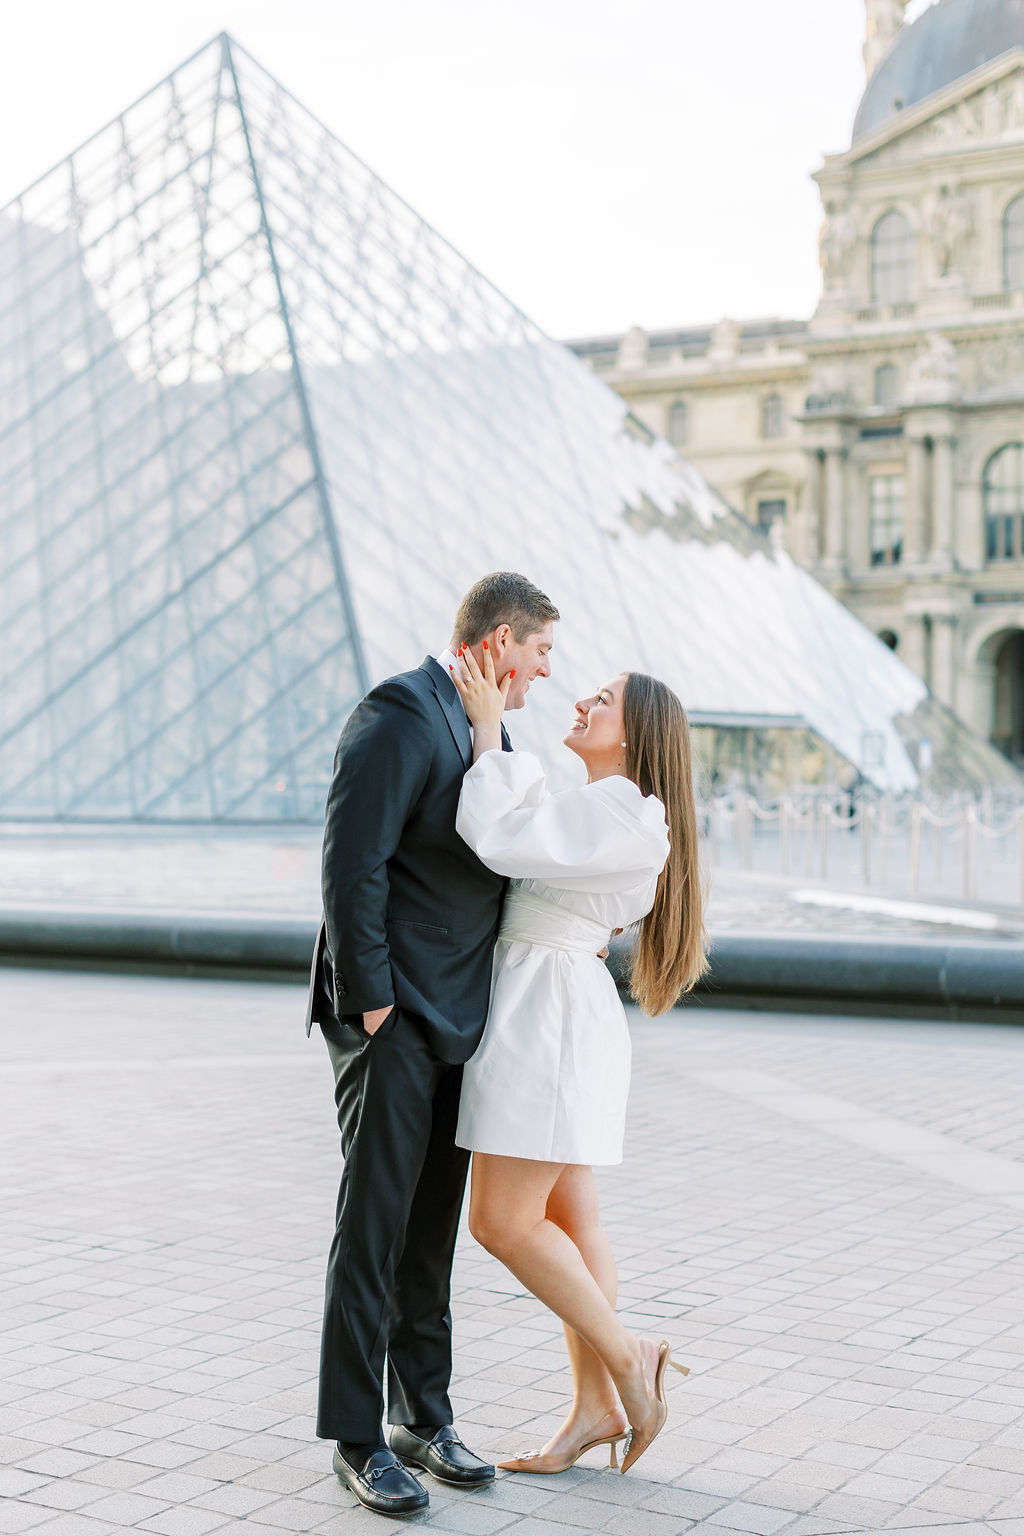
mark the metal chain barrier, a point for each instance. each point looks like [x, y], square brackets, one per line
[863, 840]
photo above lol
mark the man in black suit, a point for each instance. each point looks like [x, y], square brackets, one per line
[400, 986]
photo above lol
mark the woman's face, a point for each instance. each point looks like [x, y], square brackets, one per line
[598, 733]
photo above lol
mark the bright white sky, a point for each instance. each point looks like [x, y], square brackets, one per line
[605, 162]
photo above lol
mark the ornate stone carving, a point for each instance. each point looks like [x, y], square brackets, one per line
[934, 375]
[950, 226]
[836, 241]
[964, 121]
[1000, 366]
[829, 391]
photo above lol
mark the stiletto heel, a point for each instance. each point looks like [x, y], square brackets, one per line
[613, 1459]
[637, 1441]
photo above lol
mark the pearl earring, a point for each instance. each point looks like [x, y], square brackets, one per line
[622, 743]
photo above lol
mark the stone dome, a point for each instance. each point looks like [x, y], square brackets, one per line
[946, 42]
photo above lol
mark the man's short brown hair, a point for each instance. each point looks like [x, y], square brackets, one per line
[503, 597]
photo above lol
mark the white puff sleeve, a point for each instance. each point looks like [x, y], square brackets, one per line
[601, 838]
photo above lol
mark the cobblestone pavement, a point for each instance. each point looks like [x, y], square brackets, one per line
[824, 1217]
[251, 870]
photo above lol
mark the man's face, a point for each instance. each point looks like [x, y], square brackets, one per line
[529, 660]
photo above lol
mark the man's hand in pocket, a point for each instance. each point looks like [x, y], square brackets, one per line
[373, 1020]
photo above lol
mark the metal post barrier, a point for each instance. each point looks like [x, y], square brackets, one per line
[968, 852]
[914, 861]
[884, 805]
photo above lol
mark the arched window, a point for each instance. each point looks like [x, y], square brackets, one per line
[1003, 491]
[887, 386]
[679, 424]
[1013, 244]
[770, 511]
[892, 259]
[772, 416]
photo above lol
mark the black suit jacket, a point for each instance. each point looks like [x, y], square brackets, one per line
[410, 913]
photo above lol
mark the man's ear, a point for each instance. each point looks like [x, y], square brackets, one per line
[503, 638]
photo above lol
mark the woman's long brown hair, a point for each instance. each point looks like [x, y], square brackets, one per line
[669, 953]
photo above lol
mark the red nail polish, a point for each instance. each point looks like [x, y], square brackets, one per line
[513, 672]
[485, 645]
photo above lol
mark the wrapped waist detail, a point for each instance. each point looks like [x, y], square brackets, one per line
[530, 919]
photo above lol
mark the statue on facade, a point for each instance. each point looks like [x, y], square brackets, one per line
[934, 374]
[632, 354]
[725, 340]
[884, 20]
[836, 241]
[952, 222]
[1011, 103]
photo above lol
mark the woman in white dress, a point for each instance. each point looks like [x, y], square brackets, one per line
[544, 1097]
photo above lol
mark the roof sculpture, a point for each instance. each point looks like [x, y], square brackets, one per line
[260, 426]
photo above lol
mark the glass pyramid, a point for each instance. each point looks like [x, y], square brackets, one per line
[260, 426]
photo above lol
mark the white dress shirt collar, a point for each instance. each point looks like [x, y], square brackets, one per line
[448, 661]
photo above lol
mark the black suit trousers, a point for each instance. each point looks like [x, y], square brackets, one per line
[389, 1271]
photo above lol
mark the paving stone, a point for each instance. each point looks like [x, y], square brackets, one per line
[126, 1508]
[751, 1517]
[645, 1522]
[15, 1482]
[67, 1493]
[76, 1525]
[18, 1516]
[289, 1515]
[184, 1521]
[469, 1518]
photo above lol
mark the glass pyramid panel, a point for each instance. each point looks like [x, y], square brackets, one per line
[260, 426]
[173, 630]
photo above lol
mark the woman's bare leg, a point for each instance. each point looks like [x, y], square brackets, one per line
[596, 1410]
[509, 1216]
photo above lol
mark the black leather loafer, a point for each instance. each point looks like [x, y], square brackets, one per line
[444, 1457]
[383, 1484]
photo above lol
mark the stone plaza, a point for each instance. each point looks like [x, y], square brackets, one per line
[824, 1217]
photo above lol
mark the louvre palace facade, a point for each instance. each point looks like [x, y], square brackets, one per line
[881, 441]
[260, 428]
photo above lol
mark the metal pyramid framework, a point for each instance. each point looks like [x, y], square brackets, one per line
[260, 426]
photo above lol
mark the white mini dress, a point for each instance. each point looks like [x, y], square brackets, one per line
[550, 1078]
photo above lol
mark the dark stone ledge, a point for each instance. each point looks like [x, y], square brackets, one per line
[947, 977]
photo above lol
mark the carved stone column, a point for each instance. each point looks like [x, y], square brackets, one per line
[943, 669]
[809, 542]
[914, 509]
[913, 643]
[942, 501]
[835, 502]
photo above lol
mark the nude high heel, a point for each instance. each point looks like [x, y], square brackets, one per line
[537, 1462]
[639, 1439]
